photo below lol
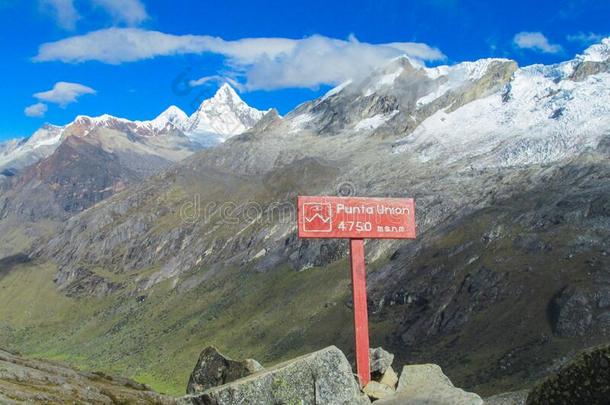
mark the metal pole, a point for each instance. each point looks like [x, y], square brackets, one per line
[361, 322]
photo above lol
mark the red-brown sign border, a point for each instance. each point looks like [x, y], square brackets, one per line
[409, 233]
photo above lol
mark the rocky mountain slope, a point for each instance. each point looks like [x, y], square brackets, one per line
[24, 381]
[509, 169]
[60, 171]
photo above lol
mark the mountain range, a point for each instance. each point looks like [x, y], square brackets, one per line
[132, 246]
[217, 119]
[62, 170]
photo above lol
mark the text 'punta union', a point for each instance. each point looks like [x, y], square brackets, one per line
[379, 209]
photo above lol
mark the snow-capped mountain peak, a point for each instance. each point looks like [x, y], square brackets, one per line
[545, 113]
[599, 52]
[489, 112]
[221, 117]
[47, 135]
[173, 116]
[21, 153]
[217, 118]
[99, 120]
[225, 94]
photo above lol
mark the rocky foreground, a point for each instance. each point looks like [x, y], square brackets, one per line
[31, 381]
[322, 377]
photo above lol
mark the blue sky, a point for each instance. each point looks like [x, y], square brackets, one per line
[133, 58]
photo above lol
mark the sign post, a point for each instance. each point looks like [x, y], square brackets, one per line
[357, 218]
[361, 317]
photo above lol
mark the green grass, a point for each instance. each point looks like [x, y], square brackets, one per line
[518, 321]
[281, 314]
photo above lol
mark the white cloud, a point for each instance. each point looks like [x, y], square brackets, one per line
[130, 12]
[35, 110]
[64, 12]
[262, 63]
[535, 41]
[321, 60]
[206, 79]
[118, 45]
[585, 38]
[64, 93]
[216, 79]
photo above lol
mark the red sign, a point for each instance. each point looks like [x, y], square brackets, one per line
[356, 217]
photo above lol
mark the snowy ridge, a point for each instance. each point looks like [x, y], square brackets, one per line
[538, 115]
[225, 115]
[464, 70]
[543, 117]
[385, 80]
[26, 151]
[299, 122]
[216, 120]
[386, 76]
[171, 116]
[544, 113]
[374, 122]
[456, 76]
[45, 136]
[598, 52]
[335, 90]
[7, 147]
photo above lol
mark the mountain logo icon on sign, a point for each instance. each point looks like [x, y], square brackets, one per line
[317, 217]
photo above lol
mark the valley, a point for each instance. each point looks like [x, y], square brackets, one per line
[509, 276]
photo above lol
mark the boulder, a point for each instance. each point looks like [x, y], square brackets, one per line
[426, 384]
[376, 390]
[380, 361]
[581, 311]
[389, 378]
[322, 377]
[508, 398]
[571, 312]
[214, 369]
[585, 380]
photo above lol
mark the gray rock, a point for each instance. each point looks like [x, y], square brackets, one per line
[322, 377]
[426, 384]
[571, 312]
[508, 398]
[417, 374]
[602, 323]
[376, 390]
[380, 361]
[588, 68]
[214, 369]
[389, 378]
